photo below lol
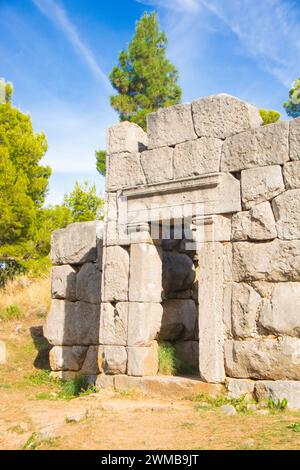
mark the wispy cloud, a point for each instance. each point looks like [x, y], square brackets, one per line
[60, 19]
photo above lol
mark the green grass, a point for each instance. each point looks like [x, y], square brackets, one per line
[207, 402]
[170, 363]
[16, 429]
[294, 427]
[10, 313]
[36, 440]
[277, 405]
[60, 389]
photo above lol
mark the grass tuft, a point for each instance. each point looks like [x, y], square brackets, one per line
[170, 363]
[207, 402]
[11, 313]
[36, 440]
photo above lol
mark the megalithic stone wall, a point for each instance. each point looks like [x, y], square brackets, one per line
[72, 325]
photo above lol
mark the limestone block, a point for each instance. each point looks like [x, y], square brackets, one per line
[245, 306]
[126, 382]
[227, 262]
[158, 164]
[261, 184]
[114, 359]
[2, 352]
[280, 315]
[197, 157]
[75, 244]
[170, 126]
[67, 357]
[212, 228]
[115, 274]
[188, 352]
[179, 320]
[111, 207]
[90, 365]
[273, 261]
[227, 316]
[72, 323]
[286, 209]
[113, 324]
[295, 139]
[63, 282]
[270, 359]
[126, 137]
[278, 390]
[256, 224]
[145, 284]
[291, 173]
[88, 285]
[237, 388]
[124, 171]
[143, 361]
[178, 272]
[223, 115]
[144, 323]
[105, 381]
[267, 145]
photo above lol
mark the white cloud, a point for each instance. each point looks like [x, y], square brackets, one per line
[59, 17]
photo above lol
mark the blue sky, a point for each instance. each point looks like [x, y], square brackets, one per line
[58, 54]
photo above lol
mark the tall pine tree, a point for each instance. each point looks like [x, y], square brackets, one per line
[292, 106]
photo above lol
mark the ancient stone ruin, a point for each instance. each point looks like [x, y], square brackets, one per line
[200, 248]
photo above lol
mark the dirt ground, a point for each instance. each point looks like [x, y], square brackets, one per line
[32, 416]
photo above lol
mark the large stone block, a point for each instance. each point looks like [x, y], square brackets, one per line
[2, 352]
[223, 115]
[268, 145]
[295, 139]
[291, 173]
[126, 137]
[261, 184]
[144, 323]
[113, 360]
[245, 305]
[158, 164]
[197, 157]
[178, 272]
[240, 387]
[274, 261]
[67, 357]
[188, 352]
[124, 171]
[280, 315]
[170, 126]
[212, 228]
[75, 244]
[270, 359]
[145, 284]
[72, 323]
[256, 224]
[143, 361]
[286, 209]
[63, 282]
[113, 324]
[90, 364]
[279, 390]
[115, 276]
[179, 320]
[88, 285]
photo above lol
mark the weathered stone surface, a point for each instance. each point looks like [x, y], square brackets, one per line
[115, 274]
[144, 322]
[75, 244]
[278, 390]
[2, 352]
[212, 228]
[126, 137]
[261, 184]
[145, 284]
[295, 139]
[88, 285]
[90, 365]
[178, 272]
[281, 314]
[65, 374]
[237, 388]
[113, 324]
[158, 164]
[127, 382]
[67, 357]
[256, 224]
[223, 115]
[72, 323]
[273, 261]
[170, 126]
[124, 171]
[286, 209]
[179, 320]
[291, 173]
[143, 360]
[63, 282]
[267, 145]
[269, 359]
[188, 351]
[106, 381]
[114, 359]
[197, 157]
[245, 306]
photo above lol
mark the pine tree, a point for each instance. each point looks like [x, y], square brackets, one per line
[292, 106]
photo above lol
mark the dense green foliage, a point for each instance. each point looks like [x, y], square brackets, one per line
[101, 162]
[83, 203]
[292, 106]
[145, 79]
[269, 116]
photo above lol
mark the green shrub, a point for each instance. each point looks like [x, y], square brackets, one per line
[277, 405]
[170, 363]
[269, 116]
[12, 312]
